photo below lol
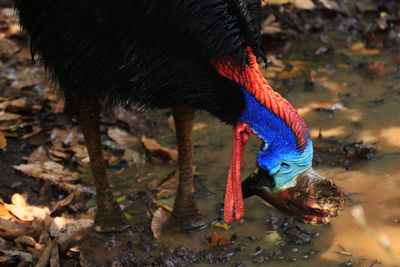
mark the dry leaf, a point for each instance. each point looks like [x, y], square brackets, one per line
[217, 240]
[28, 213]
[159, 218]
[9, 117]
[63, 202]
[303, 4]
[18, 200]
[67, 229]
[26, 240]
[15, 105]
[49, 170]
[376, 69]
[38, 155]
[35, 131]
[3, 141]
[25, 256]
[161, 205]
[61, 139]
[224, 226]
[156, 150]
[7, 48]
[121, 137]
[128, 117]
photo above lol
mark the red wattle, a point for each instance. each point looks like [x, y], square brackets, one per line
[233, 194]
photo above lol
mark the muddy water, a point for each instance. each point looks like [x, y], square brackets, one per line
[370, 114]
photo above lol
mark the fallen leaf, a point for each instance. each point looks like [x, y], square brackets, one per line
[68, 229]
[49, 170]
[7, 48]
[159, 218]
[26, 240]
[121, 137]
[59, 155]
[27, 257]
[131, 155]
[28, 213]
[9, 117]
[3, 141]
[375, 69]
[64, 202]
[62, 139]
[164, 154]
[127, 117]
[161, 205]
[15, 105]
[329, 4]
[217, 240]
[303, 4]
[224, 226]
[395, 60]
[38, 155]
[35, 131]
[18, 200]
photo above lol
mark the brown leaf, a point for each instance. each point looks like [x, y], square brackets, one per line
[4, 213]
[164, 154]
[59, 155]
[3, 141]
[64, 202]
[26, 240]
[217, 240]
[395, 60]
[16, 105]
[25, 256]
[375, 69]
[35, 131]
[9, 117]
[128, 117]
[38, 155]
[68, 229]
[28, 213]
[7, 48]
[18, 200]
[62, 139]
[121, 137]
[159, 218]
[49, 170]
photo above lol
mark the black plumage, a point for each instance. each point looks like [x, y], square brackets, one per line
[152, 54]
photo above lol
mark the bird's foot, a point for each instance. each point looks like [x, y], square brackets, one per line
[186, 217]
[109, 216]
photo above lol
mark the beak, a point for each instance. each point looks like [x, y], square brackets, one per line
[313, 200]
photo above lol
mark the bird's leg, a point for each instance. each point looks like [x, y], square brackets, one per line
[185, 216]
[109, 217]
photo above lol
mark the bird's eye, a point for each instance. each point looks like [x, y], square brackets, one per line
[285, 166]
[263, 146]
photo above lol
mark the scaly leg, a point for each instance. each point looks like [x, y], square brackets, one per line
[109, 217]
[185, 216]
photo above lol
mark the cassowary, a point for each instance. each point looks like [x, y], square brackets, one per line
[187, 55]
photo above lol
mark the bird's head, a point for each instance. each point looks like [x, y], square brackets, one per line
[286, 151]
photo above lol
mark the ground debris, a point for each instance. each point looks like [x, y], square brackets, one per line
[158, 153]
[159, 218]
[338, 152]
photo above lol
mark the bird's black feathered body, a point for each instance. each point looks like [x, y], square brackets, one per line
[149, 53]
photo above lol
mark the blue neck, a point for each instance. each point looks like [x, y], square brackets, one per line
[280, 143]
